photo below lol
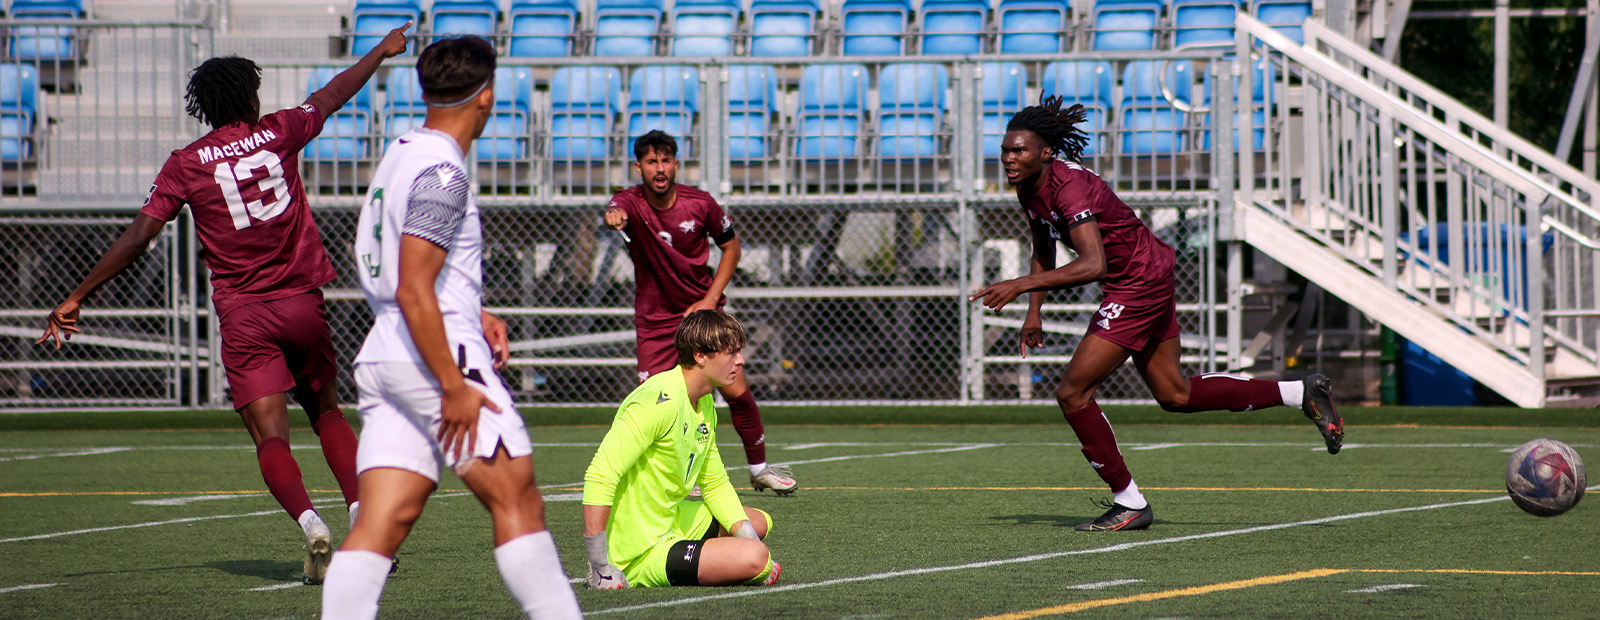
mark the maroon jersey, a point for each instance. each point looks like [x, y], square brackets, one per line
[1073, 195]
[243, 183]
[670, 250]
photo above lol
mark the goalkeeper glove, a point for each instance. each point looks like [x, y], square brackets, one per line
[602, 575]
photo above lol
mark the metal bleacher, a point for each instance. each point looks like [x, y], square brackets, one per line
[856, 142]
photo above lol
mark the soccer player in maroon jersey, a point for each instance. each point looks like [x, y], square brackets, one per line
[242, 182]
[1063, 201]
[666, 225]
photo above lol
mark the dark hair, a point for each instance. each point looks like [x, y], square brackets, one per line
[221, 91]
[655, 140]
[709, 332]
[1058, 128]
[450, 69]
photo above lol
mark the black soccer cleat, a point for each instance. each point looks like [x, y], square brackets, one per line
[1119, 517]
[1318, 405]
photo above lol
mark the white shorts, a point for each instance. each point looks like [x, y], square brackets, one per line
[399, 406]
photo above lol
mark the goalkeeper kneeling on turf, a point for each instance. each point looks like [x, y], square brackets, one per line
[639, 527]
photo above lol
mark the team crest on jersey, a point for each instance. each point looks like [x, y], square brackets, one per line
[702, 434]
[308, 108]
[687, 226]
[726, 223]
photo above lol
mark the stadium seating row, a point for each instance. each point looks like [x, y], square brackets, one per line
[43, 43]
[789, 28]
[19, 112]
[1151, 105]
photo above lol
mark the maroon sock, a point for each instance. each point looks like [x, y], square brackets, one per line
[747, 422]
[339, 448]
[1100, 445]
[283, 476]
[1215, 391]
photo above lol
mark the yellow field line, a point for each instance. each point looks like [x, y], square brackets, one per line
[92, 493]
[1101, 488]
[1259, 581]
[1156, 596]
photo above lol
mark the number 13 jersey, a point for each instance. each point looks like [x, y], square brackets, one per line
[420, 189]
[242, 182]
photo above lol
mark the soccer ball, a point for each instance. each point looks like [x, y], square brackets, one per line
[1545, 477]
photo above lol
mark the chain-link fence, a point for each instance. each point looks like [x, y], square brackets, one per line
[867, 194]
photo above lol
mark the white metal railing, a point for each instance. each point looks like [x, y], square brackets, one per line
[1432, 200]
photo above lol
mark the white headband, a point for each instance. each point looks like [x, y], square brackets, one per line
[463, 101]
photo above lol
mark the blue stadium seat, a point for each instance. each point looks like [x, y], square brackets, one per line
[626, 27]
[1285, 16]
[953, 26]
[403, 107]
[874, 27]
[1088, 83]
[347, 134]
[51, 43]
[371, 21]
[782, 27]
[1126, 25]
[665, 98]
[752, 104]
[911, 107]
[704, 27]
[1149, 124]
[541, 28]
[19, 106]
[1003, 87]
[505, 136]
[583, 102]
[77, 7]
[457, 17]
[1262, 90]
[832, 100]
[1203, 23]
[1031, 26]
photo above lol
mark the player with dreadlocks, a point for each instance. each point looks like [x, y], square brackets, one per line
[1066, 202]
[242, 184]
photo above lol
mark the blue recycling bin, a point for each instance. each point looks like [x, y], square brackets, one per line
[1425, 379]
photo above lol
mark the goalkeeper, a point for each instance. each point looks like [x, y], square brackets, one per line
[639, 527]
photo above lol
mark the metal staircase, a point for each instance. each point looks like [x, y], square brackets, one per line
[1421, 213]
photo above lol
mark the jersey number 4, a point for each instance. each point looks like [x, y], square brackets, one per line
[229, 176]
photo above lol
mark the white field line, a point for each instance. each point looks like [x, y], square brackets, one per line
[1038, 557]
[276, 586]
[1387, 587]
[331, 502]
[30, 457]
[31, 586]
[185, 501]
[1101, 585]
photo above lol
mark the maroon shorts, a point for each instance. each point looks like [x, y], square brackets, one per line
[1137, 321]
[271, 347]
[656, 352]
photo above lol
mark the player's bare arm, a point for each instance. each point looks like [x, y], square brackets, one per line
[1089, 266]
[420, 264]
[725, 269]
[342, 87]
[1043, 259]
[494, 330]
[135, 240]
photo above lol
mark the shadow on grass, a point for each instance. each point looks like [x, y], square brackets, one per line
[265, 569]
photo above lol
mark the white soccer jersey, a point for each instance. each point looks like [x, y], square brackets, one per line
[421, 189]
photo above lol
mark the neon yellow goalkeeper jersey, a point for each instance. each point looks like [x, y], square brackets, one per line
[659, 447]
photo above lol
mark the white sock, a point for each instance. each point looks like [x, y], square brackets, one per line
[1131, 497]
[755, 468]
[308, 518]
[354, 584]
[1293, 393]
[532, 571]
[354, 506]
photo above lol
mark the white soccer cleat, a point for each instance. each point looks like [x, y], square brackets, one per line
[775, 477]
[319, 551]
